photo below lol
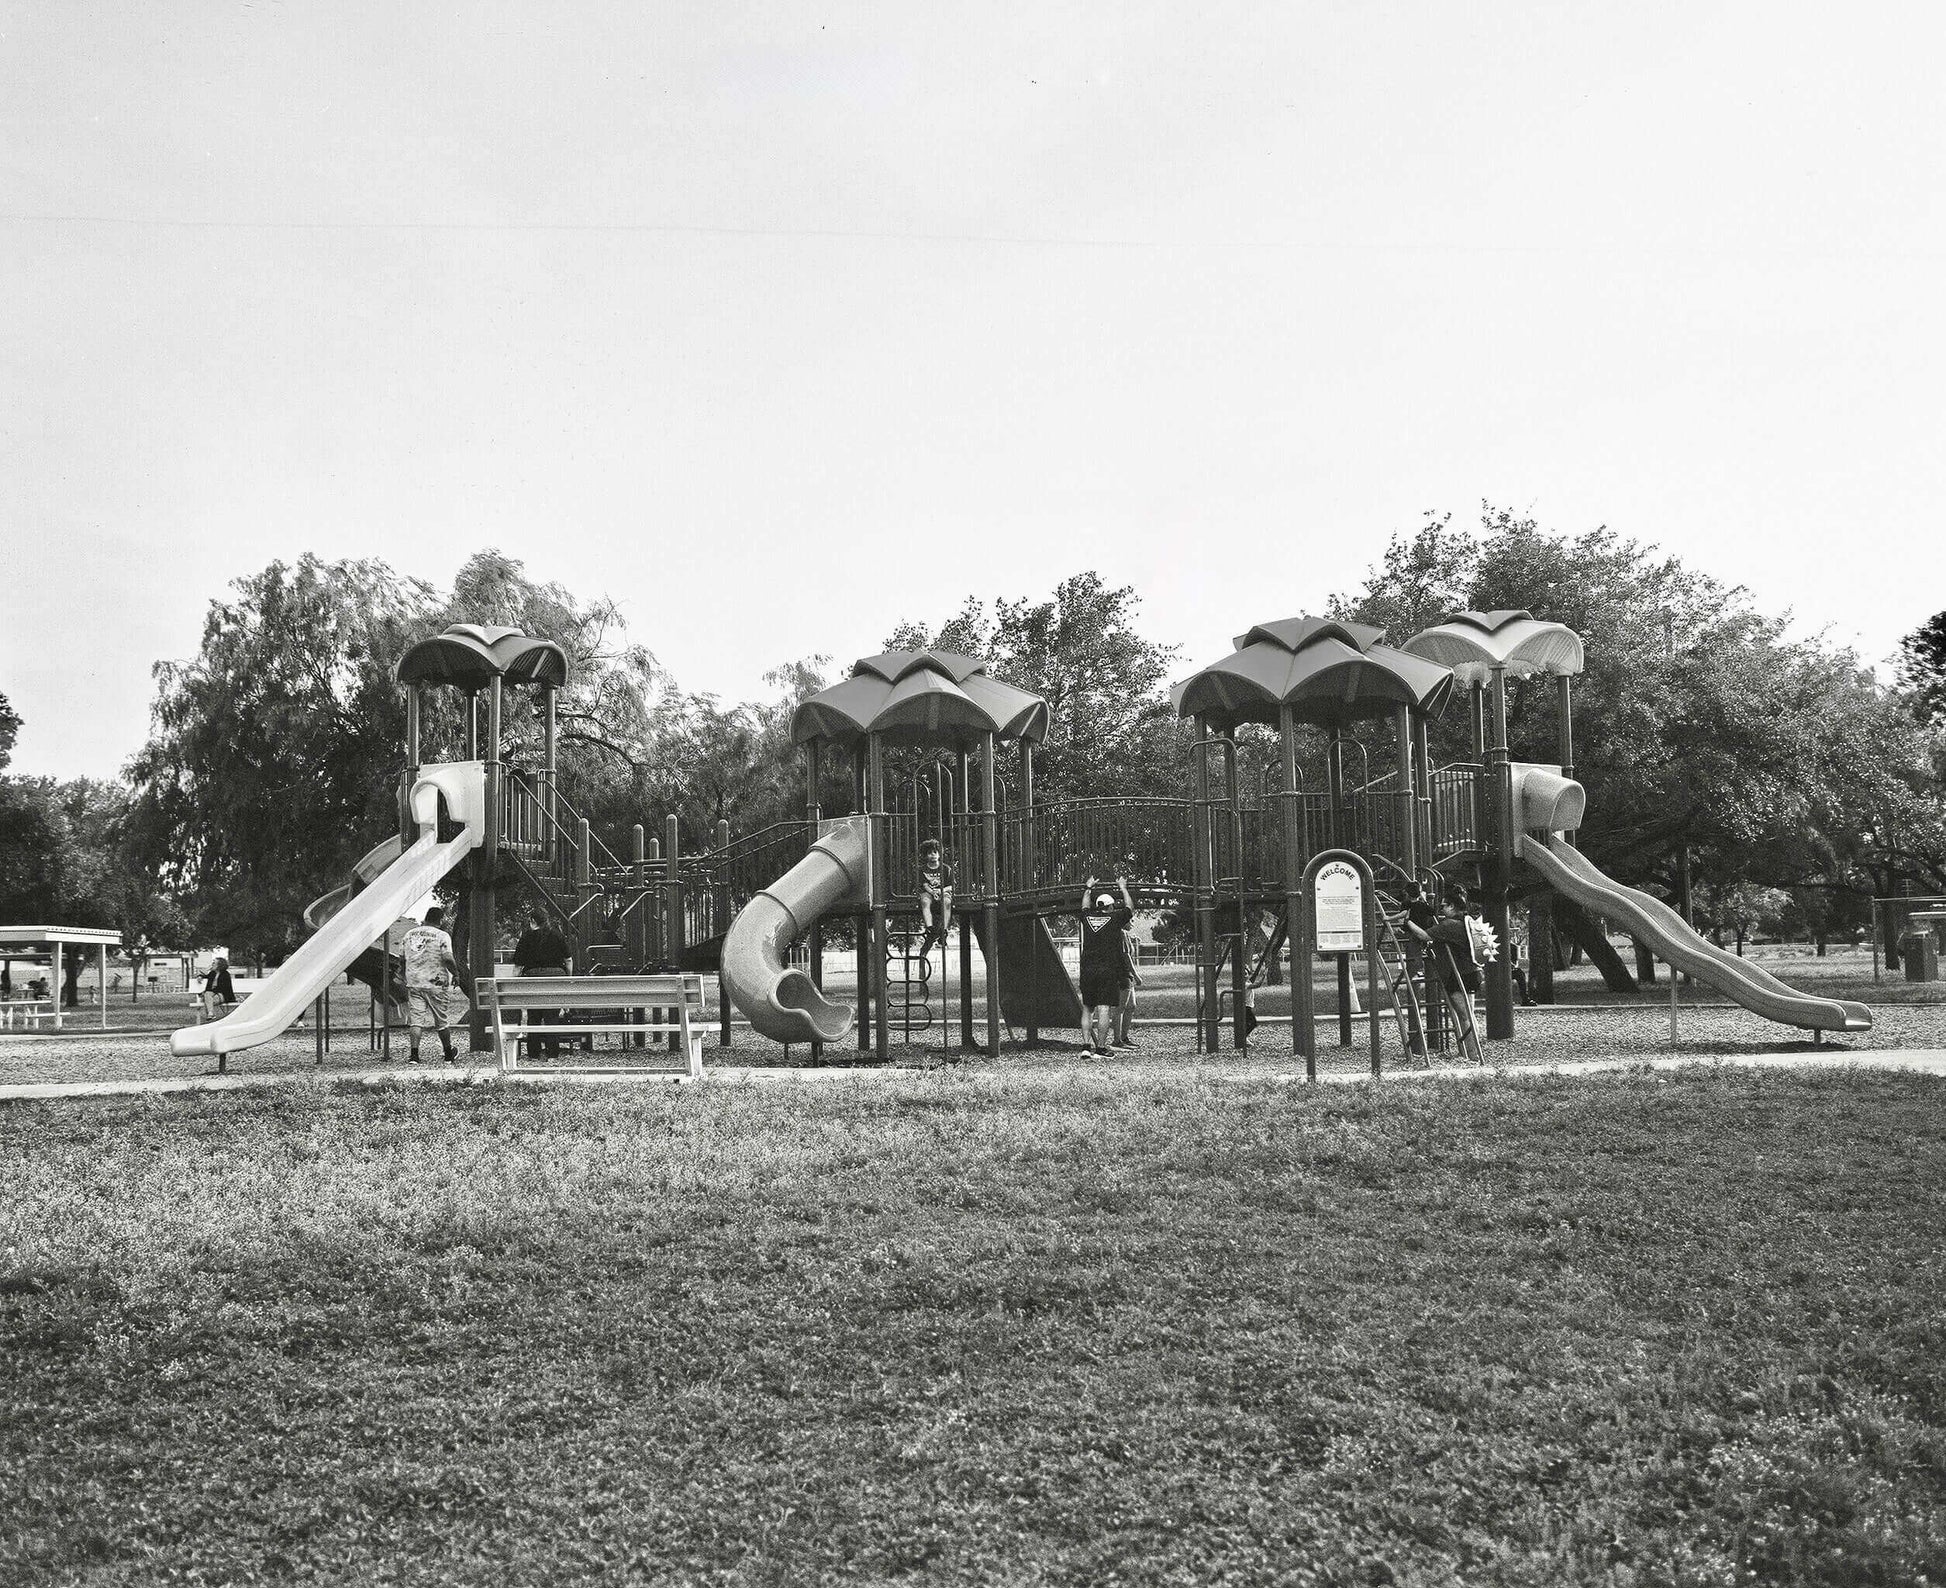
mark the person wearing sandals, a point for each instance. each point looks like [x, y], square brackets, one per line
[1104, 960]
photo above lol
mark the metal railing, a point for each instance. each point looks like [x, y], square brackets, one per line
[1455, 809]
[1060, 845]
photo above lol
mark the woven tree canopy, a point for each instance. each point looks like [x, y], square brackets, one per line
[921, 697]
[1472, 644]
[1329, 673]
[472, 655]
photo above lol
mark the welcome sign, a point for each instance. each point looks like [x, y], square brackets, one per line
[1338, 895]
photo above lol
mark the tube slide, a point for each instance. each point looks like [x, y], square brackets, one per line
[1570, 872]
[781, 1002]
[358, 922]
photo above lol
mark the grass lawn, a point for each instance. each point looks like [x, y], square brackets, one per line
[980, 1327]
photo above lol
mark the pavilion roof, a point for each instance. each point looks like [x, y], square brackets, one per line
[1329, 672]
[44, 937]
[471, 655]
[921, 697]
[1474, 643]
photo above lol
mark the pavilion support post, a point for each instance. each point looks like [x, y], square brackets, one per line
[675, 933]
[1239, 959]
[1409, 729]
[1564, 728]
[101, 986]
[1499, 852]
[862, 954]
[813, 812]
[639, 933]
[1293, 865]
[1203, 878]
[1018, 874]
[414, 704]
[1408, 790]
[550, 750]
[990, 823]
[496, 708]
[1422, 760]
[966, 982]
[881, 887]
[1341, 838]
[479, 920]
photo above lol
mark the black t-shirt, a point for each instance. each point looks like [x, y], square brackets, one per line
[540, 946]
[1101, 943]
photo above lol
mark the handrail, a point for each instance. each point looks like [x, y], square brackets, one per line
[517, 779]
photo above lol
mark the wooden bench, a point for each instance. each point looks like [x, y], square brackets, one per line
[28, 1011]
[624, 1007]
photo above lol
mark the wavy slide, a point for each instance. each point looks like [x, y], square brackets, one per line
[359, 921]
[780, 1001]
[1570, 872]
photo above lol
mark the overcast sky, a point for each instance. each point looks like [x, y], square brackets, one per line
[781, 323]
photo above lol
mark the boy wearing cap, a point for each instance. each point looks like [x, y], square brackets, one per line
[1104, 961]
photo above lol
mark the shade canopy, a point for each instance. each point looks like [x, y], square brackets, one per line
[921, 697]
[41, 939]
[1328, 672]
[472, 655]
[1472, 644]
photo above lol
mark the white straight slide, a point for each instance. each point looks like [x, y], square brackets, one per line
[297, 983]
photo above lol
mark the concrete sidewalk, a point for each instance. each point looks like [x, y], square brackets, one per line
[1917, 1061]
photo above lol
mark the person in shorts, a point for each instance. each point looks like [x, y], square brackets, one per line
[935, 895]
[1104, 961]
[431, 973]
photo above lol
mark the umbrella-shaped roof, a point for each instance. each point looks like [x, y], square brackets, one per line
[1328, 672]
[1474, 643]
[921, 697]
[473, 654]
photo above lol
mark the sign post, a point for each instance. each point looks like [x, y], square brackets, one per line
[1337, 914]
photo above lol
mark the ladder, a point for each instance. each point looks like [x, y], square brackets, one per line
[1408, 1011]
[913, 983]
[1444, 1021]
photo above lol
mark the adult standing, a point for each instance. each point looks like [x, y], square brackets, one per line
[431, 972]
[542, 951]
[1104, 961]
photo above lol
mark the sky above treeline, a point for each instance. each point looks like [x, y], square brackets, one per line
[781, 324]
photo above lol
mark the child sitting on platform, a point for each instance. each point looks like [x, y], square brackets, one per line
[935, 895]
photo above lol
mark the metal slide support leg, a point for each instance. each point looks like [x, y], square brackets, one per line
[993, 980]
[1239, 983]
[881, 1027]
[965, 982]
[862, 934]
[1208, 1028]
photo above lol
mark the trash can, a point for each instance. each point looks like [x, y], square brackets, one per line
[1921, 953]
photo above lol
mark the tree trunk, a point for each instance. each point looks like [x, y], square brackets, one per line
[1588, 940]
[1644, 965]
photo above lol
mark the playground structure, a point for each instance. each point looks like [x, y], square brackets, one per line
[1249, 865]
